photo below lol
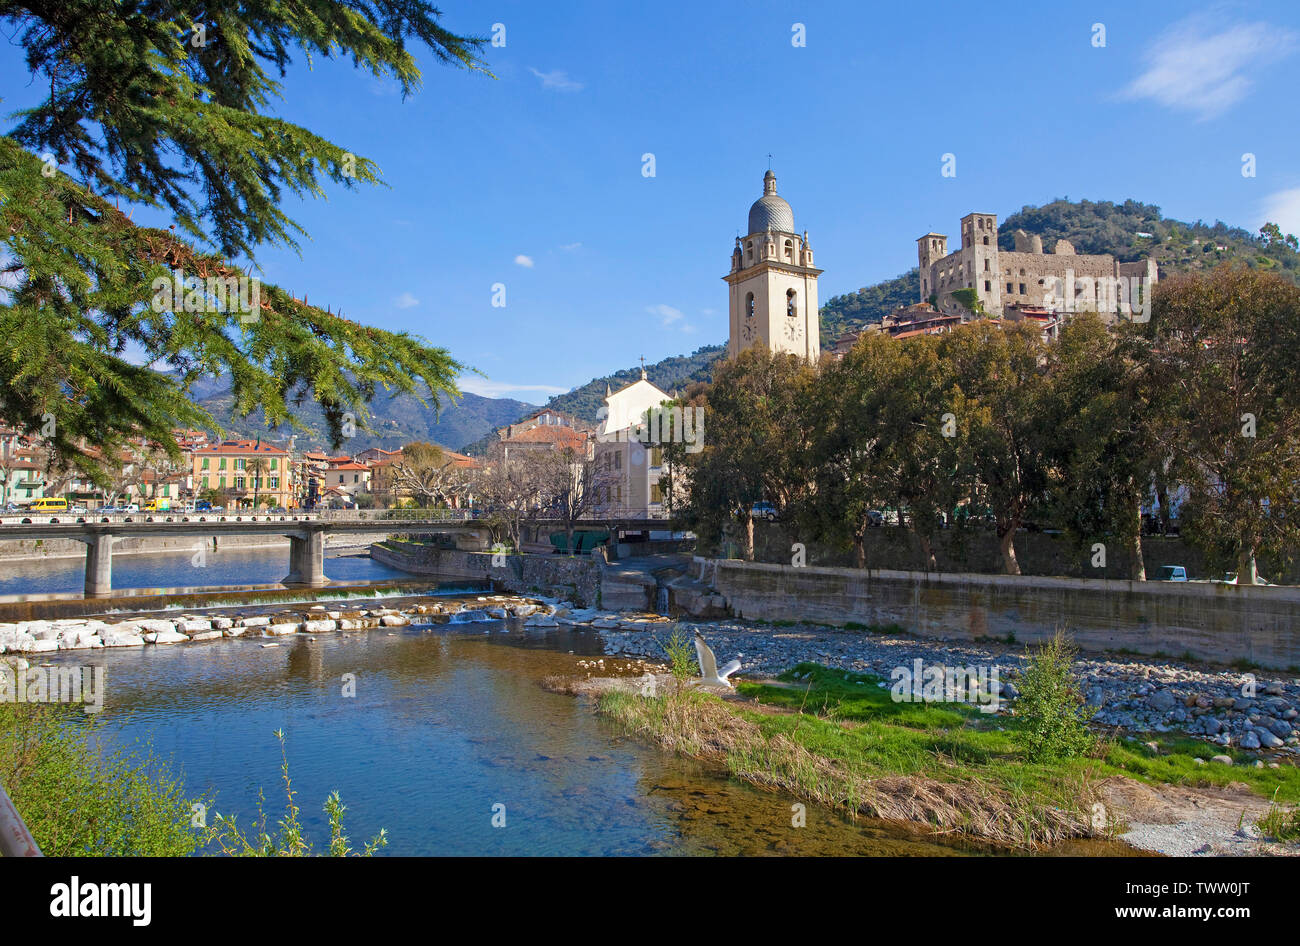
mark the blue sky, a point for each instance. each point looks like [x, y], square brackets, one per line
[534, 179]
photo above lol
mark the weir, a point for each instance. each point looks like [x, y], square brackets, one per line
[306, 535]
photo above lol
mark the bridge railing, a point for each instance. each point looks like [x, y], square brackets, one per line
[15, 839]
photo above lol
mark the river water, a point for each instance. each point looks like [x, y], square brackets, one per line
[448, 722]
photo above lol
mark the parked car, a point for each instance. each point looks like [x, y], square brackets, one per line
[764, 511]
[203, 506]
[1171, 573]
[130, 507]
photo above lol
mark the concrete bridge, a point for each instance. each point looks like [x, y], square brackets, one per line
[305, 532]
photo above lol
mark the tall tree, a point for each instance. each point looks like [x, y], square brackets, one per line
[998, 392]
[1223, 345]
[1107, 414]
[163, 103]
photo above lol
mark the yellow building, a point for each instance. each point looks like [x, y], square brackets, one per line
[244, 472]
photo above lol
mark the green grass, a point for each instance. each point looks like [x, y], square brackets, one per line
[926, 737]
[843, 741]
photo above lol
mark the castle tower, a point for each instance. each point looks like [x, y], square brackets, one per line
[773, 284]
[979, 246]
[929, 250]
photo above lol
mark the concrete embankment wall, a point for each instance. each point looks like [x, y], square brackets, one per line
[1213, 622]
[558, 576]
[26, 549]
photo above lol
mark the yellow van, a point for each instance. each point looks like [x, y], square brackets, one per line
[158, 505]
[50, 505]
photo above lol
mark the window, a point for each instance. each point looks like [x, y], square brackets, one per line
[221, 482]
[791, 303]
[273, 482]
[986, 266]
[206, 463]
[239, 463]
[749, 305]
[656, 494]
[221, 464]
[986, 241]
[275, 463]
[656, 456]
[205, 482]
[789, 249]
[239, 482]
[618, 460]
[1009, 289]
[1022, 289]
[356, 477]
[988, 286]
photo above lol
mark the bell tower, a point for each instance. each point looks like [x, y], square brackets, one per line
[773, 284]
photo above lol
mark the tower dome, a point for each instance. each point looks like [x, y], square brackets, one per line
[770, 212]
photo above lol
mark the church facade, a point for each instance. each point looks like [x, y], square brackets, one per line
[772, 286]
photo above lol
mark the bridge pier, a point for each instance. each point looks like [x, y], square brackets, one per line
[307, 560]
[99, 565]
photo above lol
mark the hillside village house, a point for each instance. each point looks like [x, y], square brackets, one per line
[242, 469]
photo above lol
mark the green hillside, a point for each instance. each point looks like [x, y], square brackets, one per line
[1104, 227]
[394, 421]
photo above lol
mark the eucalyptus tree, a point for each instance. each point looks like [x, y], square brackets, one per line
[1107, 415]
[755, 442]
[855, 438]
[1223, 345]
[1000, 421]
[169, 105]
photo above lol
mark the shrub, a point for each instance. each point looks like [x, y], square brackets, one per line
[81, 800]
[680, 650]
[1053, 716]
[289, 839]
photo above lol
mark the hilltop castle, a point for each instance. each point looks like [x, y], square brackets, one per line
[1027, 277]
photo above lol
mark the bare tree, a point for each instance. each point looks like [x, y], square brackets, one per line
[425, 472]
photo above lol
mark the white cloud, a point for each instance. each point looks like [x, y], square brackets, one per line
[406, 301]
[557, 80]
[1199, 67]
[1282, 208]
[524, 261]
[570, 247]
[486, 387]
[667, 313]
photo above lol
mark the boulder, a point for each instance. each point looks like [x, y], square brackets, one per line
[126, 637]
[260, 620]
[280, 630]
[317, 627]
[166, 637]
[394, 620]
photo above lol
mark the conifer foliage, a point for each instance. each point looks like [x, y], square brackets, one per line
[161, 103]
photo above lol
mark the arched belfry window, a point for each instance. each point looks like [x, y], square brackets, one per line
[749, 305]
[791, 303]
[789, 249]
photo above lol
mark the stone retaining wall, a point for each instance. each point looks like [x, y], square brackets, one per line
[1213, 622]
[559, 576]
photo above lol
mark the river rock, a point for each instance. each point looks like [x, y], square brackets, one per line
[191, 625]
[280, 630]
[78, 639]
[317, 627]
[1162, 701]
[260, 620]
[211, 635]
[1222, 759]
[124, 637]
[154, 626]
[235, 631]
[13, 639]
[222, 624]
[166, 637]
[1249, 741]
[394, 620]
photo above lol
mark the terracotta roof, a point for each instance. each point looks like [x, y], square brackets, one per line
[334, 467]
[562, 436]
[240, 447]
